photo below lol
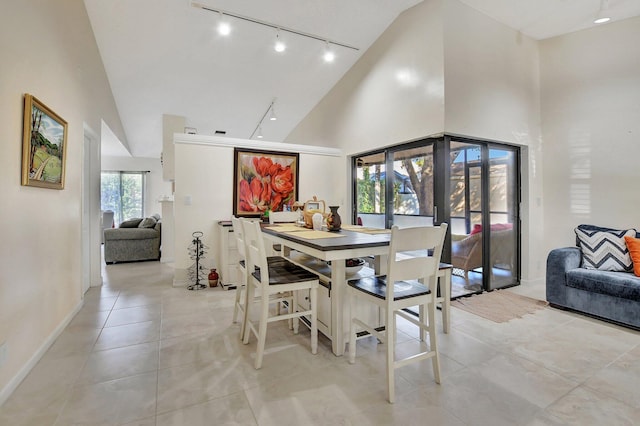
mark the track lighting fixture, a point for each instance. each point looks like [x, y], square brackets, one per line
[279, 46]
[257, 132]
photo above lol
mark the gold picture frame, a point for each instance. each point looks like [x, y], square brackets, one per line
[44, 145]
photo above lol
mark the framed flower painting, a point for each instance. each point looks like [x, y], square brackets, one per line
[264, 181]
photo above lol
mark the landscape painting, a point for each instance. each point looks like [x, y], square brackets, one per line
[44, 146]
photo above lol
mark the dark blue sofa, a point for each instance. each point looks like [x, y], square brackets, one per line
[612, 296]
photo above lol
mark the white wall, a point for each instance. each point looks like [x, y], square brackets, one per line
[591, 130]
[47, 49]
[492, 92]
[156, 187]
[393, 94]
[204, 172]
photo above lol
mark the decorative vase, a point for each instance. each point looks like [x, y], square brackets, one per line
[334, 222]
[213, 278]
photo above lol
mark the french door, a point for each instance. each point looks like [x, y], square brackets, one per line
[472, 185]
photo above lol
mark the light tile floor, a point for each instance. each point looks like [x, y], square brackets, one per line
[142, 352]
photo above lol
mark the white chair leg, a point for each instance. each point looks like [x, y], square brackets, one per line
[352, 331]
[262, 331]
[433, 345]
[313, 293]
[423, 320]
[240, 307]
[293, 307]
[236, 303]
[290, 306]
[390, 341]
[249, 296]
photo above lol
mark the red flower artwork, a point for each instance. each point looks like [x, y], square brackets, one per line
[266, 182]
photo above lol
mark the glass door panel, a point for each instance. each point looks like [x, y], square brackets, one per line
[370, 190]
[466, 218]
[503, 204]
[413, 183]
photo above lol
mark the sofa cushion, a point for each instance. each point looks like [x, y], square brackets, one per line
[147, 222]
[604, 248]
[633, 244]
[617, 284]
[131, 234]
[131, 223]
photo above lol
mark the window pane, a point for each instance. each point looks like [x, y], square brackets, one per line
[413, 181]
[122, 193]
[370, 190]
[131, 195]
[110, 194]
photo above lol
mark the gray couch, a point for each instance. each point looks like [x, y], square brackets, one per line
[135, 239]
[612, 296]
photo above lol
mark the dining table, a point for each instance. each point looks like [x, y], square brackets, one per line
[335, 247]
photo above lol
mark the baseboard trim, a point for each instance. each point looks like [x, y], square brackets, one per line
[13, 384]
[534, 281]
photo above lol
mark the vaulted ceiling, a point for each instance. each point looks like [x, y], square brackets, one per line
[166, 56]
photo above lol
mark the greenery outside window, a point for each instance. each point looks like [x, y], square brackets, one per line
[123, 193]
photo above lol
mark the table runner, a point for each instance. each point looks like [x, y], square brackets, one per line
[314, 235]
[364, 230]
[289, 227]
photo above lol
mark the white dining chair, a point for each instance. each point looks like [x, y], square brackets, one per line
[239, 305]
[274, 278]
[283, 217]
[412, 266]
[279, 218]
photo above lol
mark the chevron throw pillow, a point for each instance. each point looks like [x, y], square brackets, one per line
[604, 249]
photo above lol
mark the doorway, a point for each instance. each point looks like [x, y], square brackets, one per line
[90, 222]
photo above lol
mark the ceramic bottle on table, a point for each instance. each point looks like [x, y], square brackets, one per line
[334, 221]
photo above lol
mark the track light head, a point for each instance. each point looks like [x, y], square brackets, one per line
[603, 14]
[328, 56]
[279, 46]
[224, 29]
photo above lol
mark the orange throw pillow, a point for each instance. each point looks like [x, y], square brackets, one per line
[633, 244]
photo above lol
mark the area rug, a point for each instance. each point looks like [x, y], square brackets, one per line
[499, 305]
